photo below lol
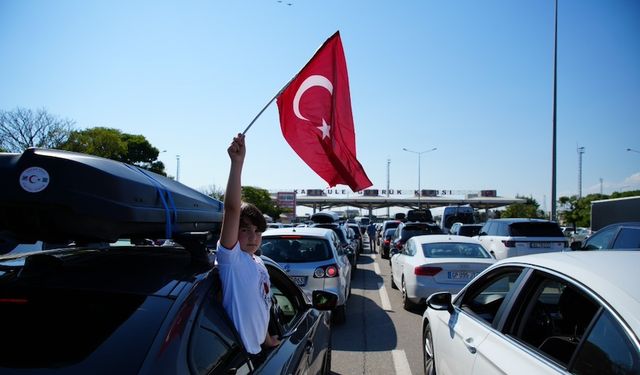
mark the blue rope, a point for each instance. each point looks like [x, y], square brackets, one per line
[169, 218]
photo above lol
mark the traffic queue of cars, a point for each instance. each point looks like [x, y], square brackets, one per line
[134, 306]
[98, 304]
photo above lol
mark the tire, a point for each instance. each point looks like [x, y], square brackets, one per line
[393, 284]
[339, 315]
[406, 302]
[428, 357]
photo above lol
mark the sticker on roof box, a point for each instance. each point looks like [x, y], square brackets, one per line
[34, 179]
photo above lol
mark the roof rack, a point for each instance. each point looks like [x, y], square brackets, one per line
[56, 196]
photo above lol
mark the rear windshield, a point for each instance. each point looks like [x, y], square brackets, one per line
[535, 229]
[419, 229]
[469, 231]
[296, 250]
[454, 250]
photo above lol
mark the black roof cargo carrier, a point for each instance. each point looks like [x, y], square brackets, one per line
[57, 196]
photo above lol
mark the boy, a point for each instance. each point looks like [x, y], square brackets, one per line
[246, 287]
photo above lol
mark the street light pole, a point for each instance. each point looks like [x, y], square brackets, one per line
[632, 150]
[178, 168]
[419, 153]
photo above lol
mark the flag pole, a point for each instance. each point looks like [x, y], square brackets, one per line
[268, 104]
[287, 85]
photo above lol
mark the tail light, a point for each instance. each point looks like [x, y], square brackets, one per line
[329, 271]
[399, 245]
[509, 243]
[387, 241]
[426, 270]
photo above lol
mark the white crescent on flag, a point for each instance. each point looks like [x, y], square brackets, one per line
[311, 81]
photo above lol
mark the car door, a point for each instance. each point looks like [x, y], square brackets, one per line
[398, 261]
[306, 332]
[476, 314]
[557, 326]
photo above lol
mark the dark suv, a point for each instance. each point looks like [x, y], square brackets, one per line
[103, 305]
[404, 231]
[615, 236]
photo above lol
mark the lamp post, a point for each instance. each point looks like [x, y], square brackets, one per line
[419, 153]
[178, 168]
[632, 150]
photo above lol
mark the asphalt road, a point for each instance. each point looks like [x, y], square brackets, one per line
[379, 336]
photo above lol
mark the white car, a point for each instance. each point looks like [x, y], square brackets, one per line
[436, 262]
[314, 259]
[555, 313]
[506, 238]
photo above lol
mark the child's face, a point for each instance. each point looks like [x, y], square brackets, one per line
[249, 237]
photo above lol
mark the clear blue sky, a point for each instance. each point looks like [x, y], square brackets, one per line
[472, 78]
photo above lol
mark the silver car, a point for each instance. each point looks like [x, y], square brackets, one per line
[314, 259]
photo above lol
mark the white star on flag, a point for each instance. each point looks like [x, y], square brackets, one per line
[324, 129]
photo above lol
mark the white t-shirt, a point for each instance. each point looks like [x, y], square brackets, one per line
[246, 294]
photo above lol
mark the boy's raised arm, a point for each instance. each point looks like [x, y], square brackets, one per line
[233, 194]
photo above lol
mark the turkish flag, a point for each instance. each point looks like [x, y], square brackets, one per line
[316, 120]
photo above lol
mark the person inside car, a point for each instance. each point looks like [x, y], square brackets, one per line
[246, 288]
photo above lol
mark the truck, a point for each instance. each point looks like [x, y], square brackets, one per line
[610, 211]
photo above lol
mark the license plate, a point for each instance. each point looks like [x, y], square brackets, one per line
[300, 280]
[541, 244]
[461, 275]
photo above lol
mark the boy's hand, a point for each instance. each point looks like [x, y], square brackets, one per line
[237, 149]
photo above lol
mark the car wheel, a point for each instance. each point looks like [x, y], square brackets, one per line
[427, 351]
[393, 283]
[406, 302]
[339, 315]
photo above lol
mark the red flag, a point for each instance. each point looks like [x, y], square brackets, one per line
[316, 120]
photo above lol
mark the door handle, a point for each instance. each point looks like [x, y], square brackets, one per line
[308, 348]
[468, 342]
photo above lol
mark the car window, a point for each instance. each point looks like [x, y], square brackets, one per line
[554, 317]
[295, 249]
[535, 229]
[601, 240]
[487, 295]
[454, 250]
[607, 350]
[214, 346]
[628, 238]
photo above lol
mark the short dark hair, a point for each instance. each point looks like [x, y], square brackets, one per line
[250, 214]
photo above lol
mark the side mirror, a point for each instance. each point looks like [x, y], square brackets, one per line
[323, 300]
[440, 301]
[576, 245]
[482, 234]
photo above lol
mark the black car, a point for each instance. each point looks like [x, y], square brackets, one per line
[614, 236]
[102, 305]
[404, 231]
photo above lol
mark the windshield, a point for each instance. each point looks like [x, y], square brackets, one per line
[454, 250]
[535, 229]
[415, 230]
[295, 250]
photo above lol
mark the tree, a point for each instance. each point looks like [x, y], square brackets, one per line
[213, 191]
[261, 199]
[22, 128]
[116, 145]
[528, 209]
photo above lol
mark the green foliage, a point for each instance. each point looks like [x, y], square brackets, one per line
[116, 145]
[528, 209]
[262, 200]
[577, 211]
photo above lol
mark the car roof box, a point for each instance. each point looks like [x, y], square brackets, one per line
[57, 196]
[324, 217]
